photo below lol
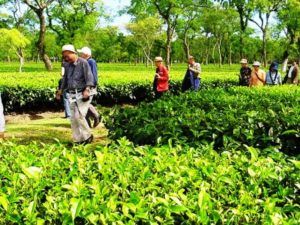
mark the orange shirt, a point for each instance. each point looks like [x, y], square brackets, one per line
[257, 78]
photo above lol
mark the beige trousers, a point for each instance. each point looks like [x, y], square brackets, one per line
[80, 128]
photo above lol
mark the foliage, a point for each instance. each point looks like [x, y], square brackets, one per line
[119, 84]
[122, 184]
[236, 116]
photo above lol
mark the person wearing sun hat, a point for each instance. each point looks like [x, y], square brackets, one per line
[273, 76]
[77, 82]
[161, 79]
[258, 76]
[245, 73]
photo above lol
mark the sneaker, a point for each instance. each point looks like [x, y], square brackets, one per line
[89, 140]
[97, 122]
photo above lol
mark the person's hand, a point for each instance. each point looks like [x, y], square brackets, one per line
[86, 94]
[157, 75]
[58, 95]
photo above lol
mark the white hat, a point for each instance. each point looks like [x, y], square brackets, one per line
[69, 48]
[244, 61]
[85, 50]
[158, 59]
[256, 63]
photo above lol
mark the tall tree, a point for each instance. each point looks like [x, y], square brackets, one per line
[13, 40]
[264, 9]
[221, 25]
[289, 22]
[145, 35]
[70, 19]
[39, 7]
[188, 28]
[244, 9]
[169, 11]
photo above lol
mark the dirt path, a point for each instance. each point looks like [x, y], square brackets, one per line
[47, 128]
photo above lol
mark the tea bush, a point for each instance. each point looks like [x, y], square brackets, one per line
[123, 184]
[234, 116]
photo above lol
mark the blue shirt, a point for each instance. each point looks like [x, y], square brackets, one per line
[94, 69]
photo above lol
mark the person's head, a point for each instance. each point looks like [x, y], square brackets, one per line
[69, 53]
[85, 52]
[244, 63]
[191, 60]
[294, 63]
[274, 67]
[256, 65]
[158, 61]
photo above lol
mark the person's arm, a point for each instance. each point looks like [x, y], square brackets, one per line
[94, 69]
[165, 75]
[89, 80]
[279, 79]
[295, 75]
[197, 69]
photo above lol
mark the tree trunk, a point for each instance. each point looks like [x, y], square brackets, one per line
[265, 59]
[41, 41]
[169, 46]
[21, 58]
[230, 54]
[186, 46]
[220, 52]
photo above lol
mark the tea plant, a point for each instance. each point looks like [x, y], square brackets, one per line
[236, 116]
[123, 184]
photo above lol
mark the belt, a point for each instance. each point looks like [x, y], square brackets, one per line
[74, 91]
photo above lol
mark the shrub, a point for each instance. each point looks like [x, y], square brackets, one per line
[123, 184]
[256, 117]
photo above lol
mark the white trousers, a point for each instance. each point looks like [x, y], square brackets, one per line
[80, 128]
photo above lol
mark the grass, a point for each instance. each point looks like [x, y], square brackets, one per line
[46, 128]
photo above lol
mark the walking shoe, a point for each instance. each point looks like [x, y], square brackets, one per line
[89, 140]
[97, 121]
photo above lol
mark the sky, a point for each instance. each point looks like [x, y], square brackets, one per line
[112, 7]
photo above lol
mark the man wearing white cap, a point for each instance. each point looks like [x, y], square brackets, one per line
[245, 73]
[86, 53]
[77, 81]
[258, 76]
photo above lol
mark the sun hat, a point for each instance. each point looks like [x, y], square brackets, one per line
[274, 66]
[85, 50]
[244, 61]
[256, 63]
[158, 59]
[69, 48]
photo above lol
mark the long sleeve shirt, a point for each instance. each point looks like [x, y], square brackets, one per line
[94, 69]
[78, 75]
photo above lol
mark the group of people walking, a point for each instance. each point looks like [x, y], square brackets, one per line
[258, 77]
[77, 87]
[80, 79]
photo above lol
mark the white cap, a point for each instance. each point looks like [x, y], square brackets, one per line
[256, 63]
[69, 48]
[85, 50]
[244, 61]
[158, 59]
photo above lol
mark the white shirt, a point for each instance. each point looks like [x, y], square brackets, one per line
[291, 72]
